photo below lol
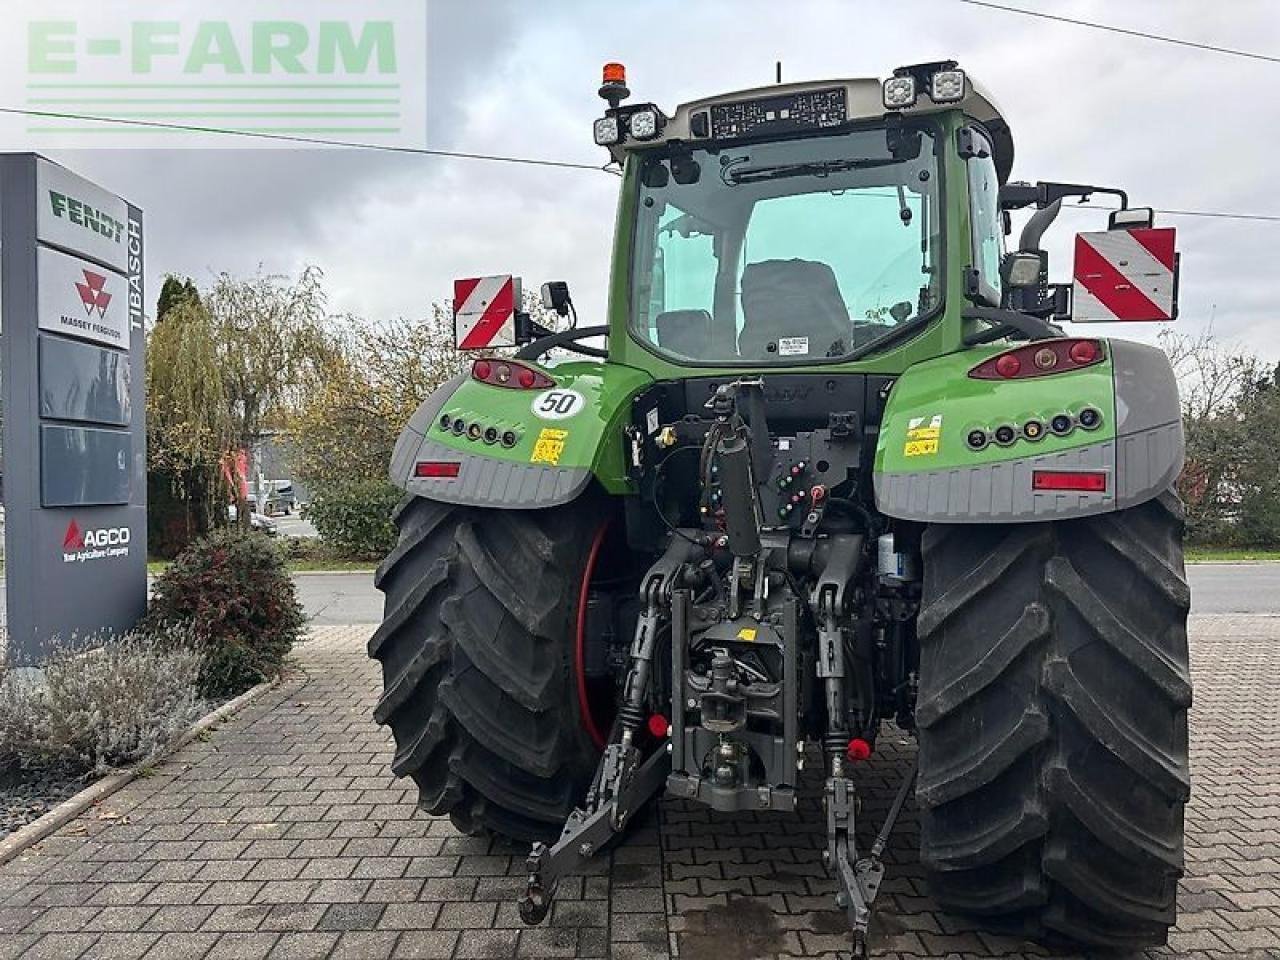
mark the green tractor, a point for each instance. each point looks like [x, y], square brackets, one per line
[838, 465]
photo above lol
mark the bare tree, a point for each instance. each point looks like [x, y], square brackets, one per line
[272, 346]
[1211, 374]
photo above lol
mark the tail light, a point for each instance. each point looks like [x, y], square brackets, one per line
[1040, 359]
[1078, 481]
[437, 469]
[510, 374]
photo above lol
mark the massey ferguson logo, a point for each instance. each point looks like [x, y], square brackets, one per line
[92, 294]
[80, 545]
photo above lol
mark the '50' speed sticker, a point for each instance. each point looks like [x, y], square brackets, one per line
[557, 404]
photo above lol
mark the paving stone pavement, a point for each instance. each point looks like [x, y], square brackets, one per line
[283, 835]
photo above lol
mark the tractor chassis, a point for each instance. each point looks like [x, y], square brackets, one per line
[626, 779]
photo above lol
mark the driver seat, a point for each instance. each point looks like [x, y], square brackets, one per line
[794, 299]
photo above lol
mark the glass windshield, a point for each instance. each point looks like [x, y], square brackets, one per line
[784, 252]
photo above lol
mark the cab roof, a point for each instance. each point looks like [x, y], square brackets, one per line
[863, 101]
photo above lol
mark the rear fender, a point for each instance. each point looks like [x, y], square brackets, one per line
[563, 436]
[925, 469]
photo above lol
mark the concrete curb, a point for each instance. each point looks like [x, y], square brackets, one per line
[333, 573]
[72, 807]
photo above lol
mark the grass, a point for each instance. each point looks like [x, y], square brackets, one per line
[306, 565]
[1206, 554]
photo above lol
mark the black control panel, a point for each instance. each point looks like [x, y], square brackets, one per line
[808, 110]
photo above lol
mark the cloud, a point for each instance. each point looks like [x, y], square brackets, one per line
[1179, 129]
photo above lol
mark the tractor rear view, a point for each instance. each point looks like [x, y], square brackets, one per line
[838, 466]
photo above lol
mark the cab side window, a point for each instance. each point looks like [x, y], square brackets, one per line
[984, 216]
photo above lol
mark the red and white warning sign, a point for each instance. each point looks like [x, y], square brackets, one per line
[1125, 275]
[484, 312]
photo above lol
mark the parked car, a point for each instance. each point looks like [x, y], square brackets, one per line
[257, 521]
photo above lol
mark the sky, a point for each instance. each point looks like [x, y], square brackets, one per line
[1178, 128]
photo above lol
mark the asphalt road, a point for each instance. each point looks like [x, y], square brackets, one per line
[333, 599]
[1254, 588]
[1235, 587]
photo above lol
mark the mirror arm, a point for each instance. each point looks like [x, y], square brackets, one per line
[566, 339]
[1015, 196]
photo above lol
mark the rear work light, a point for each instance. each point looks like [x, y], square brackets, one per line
[1077, 481]
[437, 469]
[508, 373]
[1040, 359]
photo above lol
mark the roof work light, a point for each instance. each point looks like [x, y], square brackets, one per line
[899, 92]
[943, 81]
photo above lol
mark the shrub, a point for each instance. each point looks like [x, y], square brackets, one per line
[232, 593]
[355, 519]
[113, 702]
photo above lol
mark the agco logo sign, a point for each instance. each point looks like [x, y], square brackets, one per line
[80, 545]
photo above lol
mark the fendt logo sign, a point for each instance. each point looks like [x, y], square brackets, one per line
[80, 545]
[82, 215]
[188, 74]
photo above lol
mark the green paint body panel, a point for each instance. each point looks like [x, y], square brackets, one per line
[943, 387]
[593, 437]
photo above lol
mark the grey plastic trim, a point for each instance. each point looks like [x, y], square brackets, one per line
[486, 482]
[481, 481]
[1146, 389]
[405, 453]
[1149, 461]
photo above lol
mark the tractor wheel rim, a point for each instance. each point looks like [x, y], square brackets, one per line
[580, 640]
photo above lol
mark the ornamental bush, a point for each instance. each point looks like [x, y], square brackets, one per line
[354, 519]
[107, 702]
[232, 593]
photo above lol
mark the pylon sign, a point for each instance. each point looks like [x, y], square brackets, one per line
[74, 453]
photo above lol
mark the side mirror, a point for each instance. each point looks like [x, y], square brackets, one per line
[555, 296]
[1134, 218]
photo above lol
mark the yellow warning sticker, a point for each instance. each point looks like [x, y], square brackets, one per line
[923, 434]
[748, 634]
[549, 446]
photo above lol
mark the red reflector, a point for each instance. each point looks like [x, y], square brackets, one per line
[448, 469]
[859, 749]
[658, 726]
[510, 374]
[1084, 351]
[1008, 365]
[1040, 359]
[1086, 481]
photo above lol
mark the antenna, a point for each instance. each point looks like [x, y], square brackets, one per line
[778, 72]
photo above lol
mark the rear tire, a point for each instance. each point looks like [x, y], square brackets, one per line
[1052, 715]
[476, 647]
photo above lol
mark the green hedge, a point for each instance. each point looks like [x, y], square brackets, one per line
[355, 519]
